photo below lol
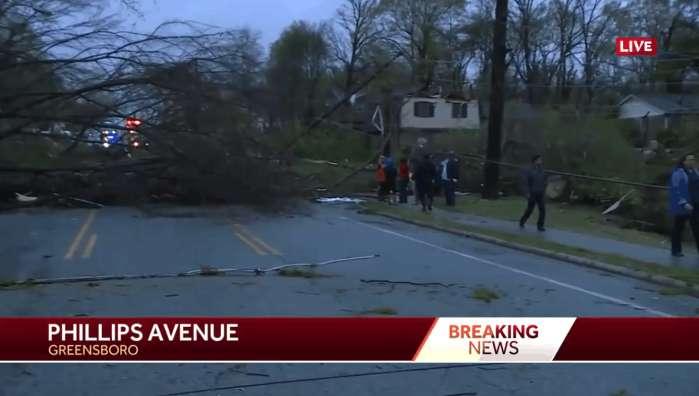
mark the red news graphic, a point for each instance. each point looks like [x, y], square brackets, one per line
[421, 340]
[636, 46]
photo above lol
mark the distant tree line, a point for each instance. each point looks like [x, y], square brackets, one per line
[212, 99]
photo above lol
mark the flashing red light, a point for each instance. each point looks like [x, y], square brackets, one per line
[132, 122]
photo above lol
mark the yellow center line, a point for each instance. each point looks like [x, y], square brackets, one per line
[90, 246]
[248, 242]
[257, 241]
[262, 243]
[79, 236]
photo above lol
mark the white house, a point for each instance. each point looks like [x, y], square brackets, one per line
[658, 110]
[439, 113]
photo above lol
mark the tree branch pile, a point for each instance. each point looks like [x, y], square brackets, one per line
[68, 73]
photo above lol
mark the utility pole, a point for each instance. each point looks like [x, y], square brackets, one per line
[491, 172]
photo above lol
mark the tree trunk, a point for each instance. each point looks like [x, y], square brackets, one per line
[491, 174]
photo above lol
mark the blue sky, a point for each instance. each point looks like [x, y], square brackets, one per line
[269, 17]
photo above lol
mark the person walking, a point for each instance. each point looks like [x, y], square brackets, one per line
[534, 185]
[681, 207]
[450, 177]
[403, 180]
[425, 175]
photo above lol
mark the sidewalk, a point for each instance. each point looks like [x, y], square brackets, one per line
[574, 239]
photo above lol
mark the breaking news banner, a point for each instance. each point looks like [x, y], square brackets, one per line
[367, 339]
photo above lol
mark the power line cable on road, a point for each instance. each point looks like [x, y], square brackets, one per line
[327, 378]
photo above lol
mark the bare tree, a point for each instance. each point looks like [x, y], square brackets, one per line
[63, 62]
[596, 27]
[416, 26]
[357, 29]
[456, 54]
[533, 55]
[567, 39]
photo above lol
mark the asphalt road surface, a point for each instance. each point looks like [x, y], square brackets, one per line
[164, 240]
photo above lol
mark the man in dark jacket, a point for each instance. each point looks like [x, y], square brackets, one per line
[684, 206]
[534, 185]
[450, 177]
[418, 153]
[424, 176]
[693, 173]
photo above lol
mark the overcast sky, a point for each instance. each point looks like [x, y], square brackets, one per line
[269, 17]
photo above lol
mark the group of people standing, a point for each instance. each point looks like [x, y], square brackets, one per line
[424, 175]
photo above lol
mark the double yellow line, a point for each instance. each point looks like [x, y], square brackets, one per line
[255, 243]
[92, 240]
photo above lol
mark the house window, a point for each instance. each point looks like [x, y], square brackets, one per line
[459, 110]
[424, 109]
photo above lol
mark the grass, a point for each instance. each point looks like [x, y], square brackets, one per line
[578, 218]
[384, 311]
[688, 275]
[677, 291]
[301, 273]
[484, 294]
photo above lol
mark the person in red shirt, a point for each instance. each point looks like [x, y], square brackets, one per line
[403, 180]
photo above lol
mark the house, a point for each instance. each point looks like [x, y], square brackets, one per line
[658, 111]
[439, 113]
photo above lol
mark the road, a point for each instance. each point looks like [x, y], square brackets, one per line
[162, 240]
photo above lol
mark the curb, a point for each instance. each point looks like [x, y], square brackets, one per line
[645, 276]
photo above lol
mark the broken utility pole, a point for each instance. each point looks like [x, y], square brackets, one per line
[491, 172]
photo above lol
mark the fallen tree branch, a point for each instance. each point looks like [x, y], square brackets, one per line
[389, 282]
[344, 100]
[205, 272]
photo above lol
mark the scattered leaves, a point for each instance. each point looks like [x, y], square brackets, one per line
[386, 311]
[305, 273]
[484, 294]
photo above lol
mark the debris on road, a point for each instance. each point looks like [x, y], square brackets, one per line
[338, 200]
[385, 311]
[408, 283]
[301, 273]
[484, 294]
[203, 271]
[25, 198]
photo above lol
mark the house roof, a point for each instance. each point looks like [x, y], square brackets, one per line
[668, 103]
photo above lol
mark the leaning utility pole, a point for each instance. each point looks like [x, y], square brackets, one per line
[491, 172]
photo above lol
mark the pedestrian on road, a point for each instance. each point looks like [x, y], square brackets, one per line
[681, 207]
[424, 176]
[534, 185]
[449, 178]
[403, 180]
[380, 176]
